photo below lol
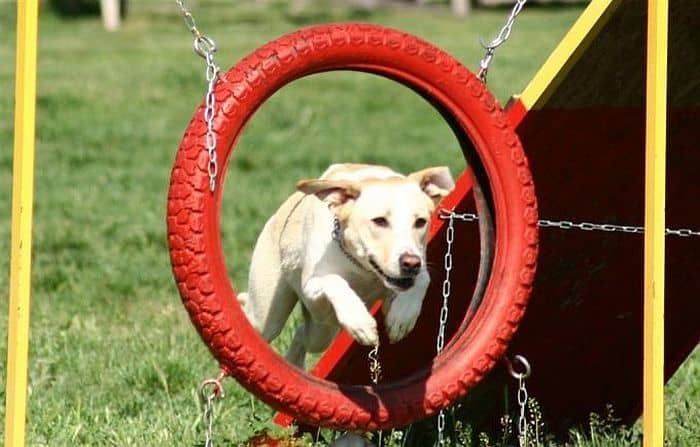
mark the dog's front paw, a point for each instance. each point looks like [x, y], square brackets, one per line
[402, 316]
[361, 326]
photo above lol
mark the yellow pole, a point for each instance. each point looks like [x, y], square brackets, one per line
[655, 223]
[22, 200]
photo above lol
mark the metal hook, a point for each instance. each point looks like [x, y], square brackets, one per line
[525, 364]
[495, 43]
[218, 388]
[204, 46]
[445, 213]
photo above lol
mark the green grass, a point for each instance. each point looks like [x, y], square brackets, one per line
[114, 359]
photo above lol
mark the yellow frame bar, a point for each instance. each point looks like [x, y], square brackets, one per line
[655, 222]
[567, 53]
[22, 207]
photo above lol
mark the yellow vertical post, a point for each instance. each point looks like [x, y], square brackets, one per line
[655, 222]
[22, 201]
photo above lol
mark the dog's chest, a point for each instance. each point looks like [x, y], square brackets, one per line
[366, 285]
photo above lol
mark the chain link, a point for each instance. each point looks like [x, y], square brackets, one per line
[212, 75]
[491, 46]
[375, 368]
[207, 399]
[444, 310]
[522, 394]
[208, 417]
[446, 214]
[585, 226]
[375, 373]
[205, 47]
[522, 419]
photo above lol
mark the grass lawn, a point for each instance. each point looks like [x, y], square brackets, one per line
[114, 359]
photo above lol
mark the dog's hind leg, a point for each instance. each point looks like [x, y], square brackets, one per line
[268, 307]
[270, 299]
[296, 354]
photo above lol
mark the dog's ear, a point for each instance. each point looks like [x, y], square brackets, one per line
[333, 192]
[436, 182]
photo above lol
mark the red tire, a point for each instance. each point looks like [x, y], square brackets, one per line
[196, 250]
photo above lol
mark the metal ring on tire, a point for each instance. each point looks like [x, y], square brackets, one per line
[194, 235]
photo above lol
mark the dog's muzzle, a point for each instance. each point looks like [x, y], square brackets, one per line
[400, 283]
[409, 264]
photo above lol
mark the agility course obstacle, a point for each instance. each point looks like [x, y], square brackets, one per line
[581, 120]
[198, 260]
[22, 212]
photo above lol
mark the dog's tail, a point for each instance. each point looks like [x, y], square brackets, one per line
[242, 299]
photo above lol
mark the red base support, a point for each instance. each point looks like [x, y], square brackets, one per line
[582, 331]
[583, 328]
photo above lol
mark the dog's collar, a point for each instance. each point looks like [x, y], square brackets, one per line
[338, 237]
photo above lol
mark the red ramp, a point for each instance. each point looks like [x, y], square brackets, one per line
[581, 121]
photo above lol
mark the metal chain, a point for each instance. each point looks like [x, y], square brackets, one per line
[585, 226]
[491, 46]
[446, 284]
[205, 47]
[375, 373]
[522, 419]
[522, 394]
[375, 368]
[207, 399]
[589, 226]
[208, 416]
[446, 214]
[212, 76]
[446, 289]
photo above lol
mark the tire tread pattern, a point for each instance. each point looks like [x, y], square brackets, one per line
[190, 240]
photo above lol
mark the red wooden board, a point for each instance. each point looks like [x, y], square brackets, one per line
[583, 328]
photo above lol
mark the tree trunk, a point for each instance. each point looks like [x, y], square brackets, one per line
[111, 18]
[461, 8]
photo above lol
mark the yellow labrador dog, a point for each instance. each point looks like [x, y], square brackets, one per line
[343, 240]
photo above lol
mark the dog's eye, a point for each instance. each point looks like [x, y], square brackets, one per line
[420, 223]
[380, 222]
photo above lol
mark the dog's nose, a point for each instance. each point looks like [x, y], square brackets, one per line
[410, 264]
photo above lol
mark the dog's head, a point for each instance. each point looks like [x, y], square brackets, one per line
[385, 219]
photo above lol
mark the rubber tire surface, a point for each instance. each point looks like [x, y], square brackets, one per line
[198, 264]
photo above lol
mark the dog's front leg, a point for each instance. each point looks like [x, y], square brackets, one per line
[349, 309]
[403, 309]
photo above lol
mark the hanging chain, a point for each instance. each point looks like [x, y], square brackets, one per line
[375, 368]
[375, 373]
[205, 47]
[490, 47]
[522, 394]
[446, 214]
[209, 391]
[585, 226]
[446, 289]
[212, 75]
[588, 226]
[446, 284]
